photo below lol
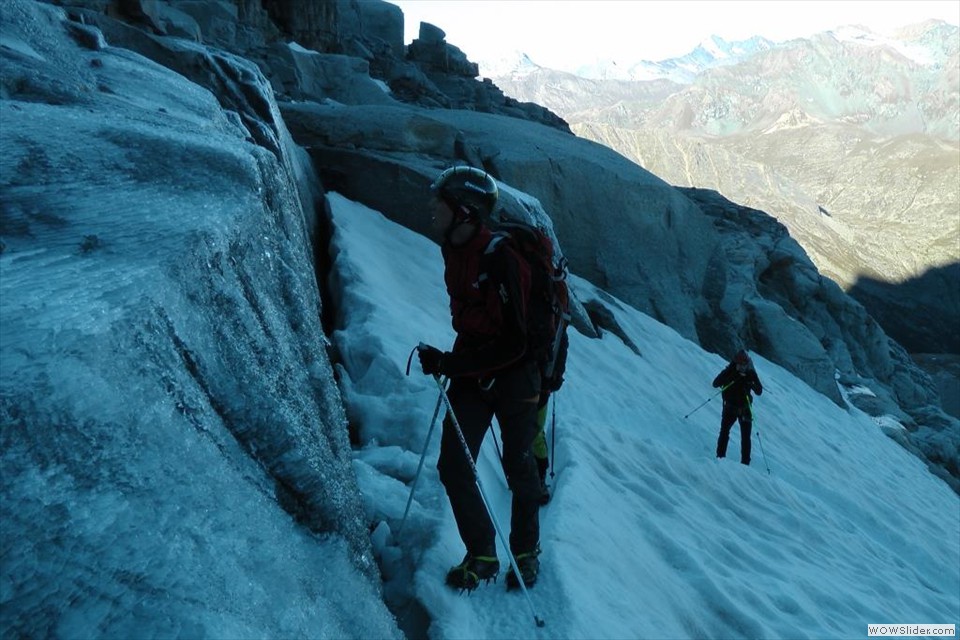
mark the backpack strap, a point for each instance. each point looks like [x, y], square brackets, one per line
[498, 237]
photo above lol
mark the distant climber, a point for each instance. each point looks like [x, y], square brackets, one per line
[737, 380]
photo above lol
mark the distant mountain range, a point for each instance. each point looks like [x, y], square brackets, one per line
[849, 138]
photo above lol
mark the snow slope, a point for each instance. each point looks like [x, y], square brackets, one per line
[648, 534]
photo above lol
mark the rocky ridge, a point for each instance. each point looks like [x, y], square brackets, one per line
[848, 138]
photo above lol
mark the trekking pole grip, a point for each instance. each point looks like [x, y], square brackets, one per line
[419, 347]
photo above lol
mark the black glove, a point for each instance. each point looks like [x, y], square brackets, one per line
[430, 360]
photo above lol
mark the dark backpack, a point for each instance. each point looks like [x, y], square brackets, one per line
[548, 309]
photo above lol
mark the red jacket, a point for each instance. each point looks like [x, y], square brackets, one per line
[488, 288]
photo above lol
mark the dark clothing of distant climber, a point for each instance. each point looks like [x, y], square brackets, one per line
[738, 379]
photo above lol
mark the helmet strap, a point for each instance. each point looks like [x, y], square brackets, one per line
[460, 212]
[455, 226]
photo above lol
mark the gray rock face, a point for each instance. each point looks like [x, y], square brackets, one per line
[314, 25]
[945, 371]
[769, 285]
[377, 25]
[141, 433]
[301, 74]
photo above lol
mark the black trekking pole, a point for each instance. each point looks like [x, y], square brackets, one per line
[486, 503]
[722, 389]
[759, 439]
[423, 456]
[553, 438]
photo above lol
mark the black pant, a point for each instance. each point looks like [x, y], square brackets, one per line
[732, 413]
[513, 400]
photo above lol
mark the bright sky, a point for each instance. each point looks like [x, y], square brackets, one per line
[648, 535]
[566, 34]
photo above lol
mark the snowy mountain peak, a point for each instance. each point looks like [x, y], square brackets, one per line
[515, 62]
[859, 35]
[711, 52]
[715, 51]
[716, 47]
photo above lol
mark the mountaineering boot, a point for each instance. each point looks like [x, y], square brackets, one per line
[544, 489]
[529, 566]
[467, 575]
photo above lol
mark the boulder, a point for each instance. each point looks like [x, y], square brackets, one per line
[379, 24]
[301, 74]
[171, 21]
